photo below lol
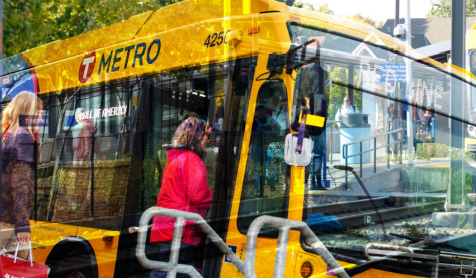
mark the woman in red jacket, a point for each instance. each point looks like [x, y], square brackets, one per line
[184, 187]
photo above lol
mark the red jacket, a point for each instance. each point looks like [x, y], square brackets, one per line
[184, 187]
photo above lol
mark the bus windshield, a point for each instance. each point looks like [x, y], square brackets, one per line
[369, 81]
[381, 71]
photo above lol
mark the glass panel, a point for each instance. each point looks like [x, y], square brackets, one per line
[413, 182]
[264, 189]
[189, 95]
[201, 91]
[66, 196]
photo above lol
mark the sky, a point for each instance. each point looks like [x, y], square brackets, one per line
[378, 10]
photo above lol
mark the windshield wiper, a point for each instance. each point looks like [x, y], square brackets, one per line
[350, 169]
[423, 241]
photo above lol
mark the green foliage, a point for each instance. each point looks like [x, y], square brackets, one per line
[443, 8]
[324, 8]
[337, 93]
[151, 182]
[430, 179]
[431, 150]
[368, 20]
[24, 24]
[460, 187]
[413, 230]
[30, 23]
[291, 3]
[437, 150]
[440, 179]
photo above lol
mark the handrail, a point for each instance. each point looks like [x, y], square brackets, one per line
[284, 226]
[376, 136]
[345, 148]
[172, 267]
[330, 123]
[247, 268]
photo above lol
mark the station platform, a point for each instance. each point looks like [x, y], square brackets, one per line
[385, 178]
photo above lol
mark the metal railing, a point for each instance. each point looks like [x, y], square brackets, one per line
[248, 268]
[172, 267]
[345, 149]
[463, 262]
[330, 133]
[284, 225]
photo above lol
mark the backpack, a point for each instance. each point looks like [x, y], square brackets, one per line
[353, 107]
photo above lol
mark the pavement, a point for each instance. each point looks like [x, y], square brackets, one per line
[381, 176]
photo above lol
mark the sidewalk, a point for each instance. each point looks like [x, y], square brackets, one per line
[386, 178]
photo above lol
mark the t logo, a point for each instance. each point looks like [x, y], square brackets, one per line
[87, 66]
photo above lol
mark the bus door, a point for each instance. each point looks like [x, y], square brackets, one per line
[265, 176]
[216, 93]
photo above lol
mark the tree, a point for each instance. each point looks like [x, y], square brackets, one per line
[24, 24]
[291, 3]
[337, 93]
[442, 8]
[324, 8]
[368, 20]
[29, 23]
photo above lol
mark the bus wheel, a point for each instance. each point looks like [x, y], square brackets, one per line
[76, 274]
[76, 266]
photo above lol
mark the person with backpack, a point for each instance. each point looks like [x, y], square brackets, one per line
[346, 108]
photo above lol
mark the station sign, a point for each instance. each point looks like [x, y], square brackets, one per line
[393, 72]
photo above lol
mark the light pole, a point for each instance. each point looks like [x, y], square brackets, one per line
[409, 93]
[397, 12]
[458, 33]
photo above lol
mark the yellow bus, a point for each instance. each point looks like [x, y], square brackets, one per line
[138, 79]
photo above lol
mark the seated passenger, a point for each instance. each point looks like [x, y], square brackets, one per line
[217, 125]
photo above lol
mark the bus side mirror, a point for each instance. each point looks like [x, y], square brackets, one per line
[315, 108]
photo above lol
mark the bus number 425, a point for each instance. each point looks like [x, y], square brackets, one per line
[216, 39]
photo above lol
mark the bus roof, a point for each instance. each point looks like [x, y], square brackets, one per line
[183, 14]
[175, 37]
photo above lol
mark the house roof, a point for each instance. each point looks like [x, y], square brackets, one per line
[426, 31]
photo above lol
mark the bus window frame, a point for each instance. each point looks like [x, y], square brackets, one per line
[447, 74]
[267, 232]
[472, 61]
[383, 47]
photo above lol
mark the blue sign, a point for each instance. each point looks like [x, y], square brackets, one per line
[432, 127]
[393, 73]
[23, 83]
[233, 248]
[69, 119]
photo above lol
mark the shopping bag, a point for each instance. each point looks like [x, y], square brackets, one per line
[13, 267]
